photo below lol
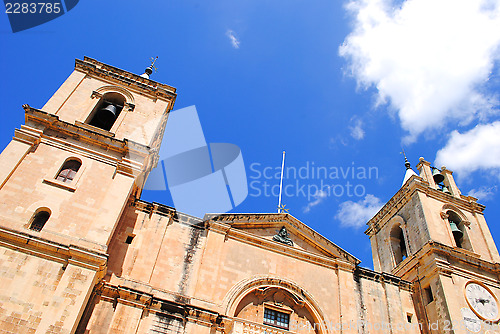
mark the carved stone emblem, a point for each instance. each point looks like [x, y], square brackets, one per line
[282, 236]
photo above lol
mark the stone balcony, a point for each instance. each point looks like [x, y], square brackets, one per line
[247, 327]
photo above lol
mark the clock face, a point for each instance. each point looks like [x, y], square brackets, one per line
[482, 301]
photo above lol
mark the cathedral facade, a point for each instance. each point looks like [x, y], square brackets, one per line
[81, 253]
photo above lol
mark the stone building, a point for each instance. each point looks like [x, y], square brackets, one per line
[80, 252]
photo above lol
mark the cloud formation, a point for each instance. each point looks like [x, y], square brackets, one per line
[356, 214]
[430, 60]
[232, 37]
[476, 149]
[356, 129]
[319, 197]
[483, 193]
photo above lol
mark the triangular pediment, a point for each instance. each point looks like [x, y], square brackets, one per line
[282, 229]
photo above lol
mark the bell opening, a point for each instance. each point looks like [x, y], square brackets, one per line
[107, 111]
[458, 234]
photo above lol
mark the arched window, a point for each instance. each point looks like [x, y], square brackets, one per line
[69, 170]
[106, 111]
[39, 219]
[458, 229]
[398, 244]
[274, 307]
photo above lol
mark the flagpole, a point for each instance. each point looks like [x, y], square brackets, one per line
[281, 181]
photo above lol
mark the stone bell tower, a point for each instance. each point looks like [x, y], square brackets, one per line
[430, 234]
[65, 179]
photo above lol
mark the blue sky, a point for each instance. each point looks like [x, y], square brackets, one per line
[336, 84]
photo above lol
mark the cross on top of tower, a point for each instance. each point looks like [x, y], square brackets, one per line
[148, 71]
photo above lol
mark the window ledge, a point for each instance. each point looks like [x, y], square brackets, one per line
[94, 129]
[68, 186]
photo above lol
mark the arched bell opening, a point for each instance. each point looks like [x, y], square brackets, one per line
[458, 230]
[107, 110]
[279, 308]
[398, 244]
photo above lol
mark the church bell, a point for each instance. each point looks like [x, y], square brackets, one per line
[437, 176]
[446, 190]
[456, 231]
[107, 115]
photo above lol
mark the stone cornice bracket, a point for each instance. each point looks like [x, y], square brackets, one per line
[95, 95]
[130, 106]
[155, 208]
[28, 135]
[443, 267]
[129, 167]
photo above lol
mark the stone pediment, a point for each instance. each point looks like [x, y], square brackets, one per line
[281, 230]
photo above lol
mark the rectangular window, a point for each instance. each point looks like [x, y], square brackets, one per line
[276, 319]
[428, 295]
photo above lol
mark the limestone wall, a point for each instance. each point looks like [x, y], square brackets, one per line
[171, 273]
[39, 295]
[82, 212]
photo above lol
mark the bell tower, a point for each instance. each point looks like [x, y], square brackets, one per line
[430, 234]
[65, 179]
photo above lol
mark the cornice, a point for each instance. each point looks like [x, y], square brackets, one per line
[127, 149]
[270, 245]
[154, 208]
[53, 251]
[441, 264]
[113, 74]
[383, 277]
[262, 220]
[158, 302]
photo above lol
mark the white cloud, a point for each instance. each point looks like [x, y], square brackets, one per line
[476, 149]
[232, 37]
[429, 59]
[483, 193]
[356, 214]
[356, 129]
[319, 197]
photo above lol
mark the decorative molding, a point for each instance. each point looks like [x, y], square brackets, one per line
[450, 207]
[95, 95]
[149, 301]
[449, 253]
[258, 241]
[57, 252]
[384, 277]
[112, 74]
[243, 288]
[94, 129]
[101, 91]
[271, 220]
[84, 133]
